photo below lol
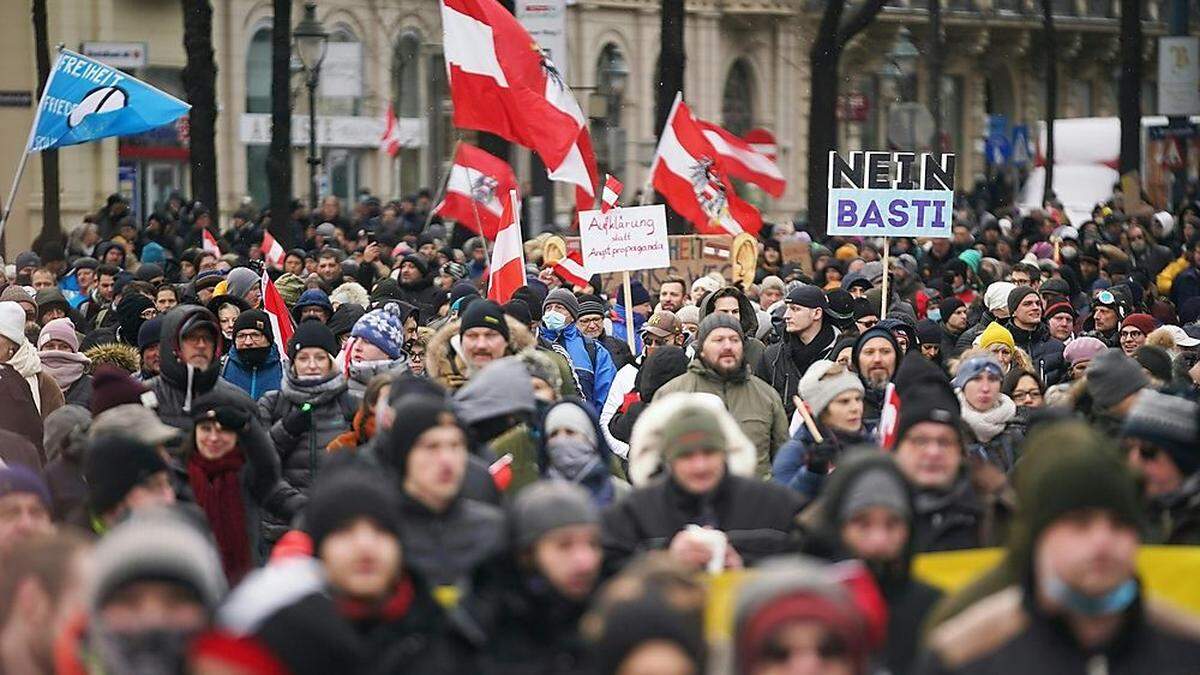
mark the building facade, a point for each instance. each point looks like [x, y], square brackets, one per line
[747, 67]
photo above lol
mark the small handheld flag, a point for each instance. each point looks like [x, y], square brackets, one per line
[272, 251]
[570, 269]
[277, 311]
[209, 243]
[889, 418]
[612, 193]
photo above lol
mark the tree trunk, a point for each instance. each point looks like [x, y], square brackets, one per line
[1051, 95]
[832, 36]
[200, 84]
[1129, 87]
[671, 61]
[935, 71]
[279, 157]
[51, 225]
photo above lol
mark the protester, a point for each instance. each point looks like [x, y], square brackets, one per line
[189, 364]
[376, 346]
[253, 364]
[124, 475]
[988, 413]
[58, 350]
[41, 591]
[593, 365]
[25, 507]
[806, 338]
[1159, 436]
[18, 352]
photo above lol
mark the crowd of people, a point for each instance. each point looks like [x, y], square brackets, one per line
[423, 480]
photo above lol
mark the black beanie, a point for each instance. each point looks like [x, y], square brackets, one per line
[949, 306]
[414, 415]
[116, 464]
[484, 314]
[345, 493]
[417, 260]
[925, 395]
[254, 319]
[1016, 295]
[312, 334]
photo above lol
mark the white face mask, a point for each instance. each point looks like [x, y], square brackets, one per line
[554, 320]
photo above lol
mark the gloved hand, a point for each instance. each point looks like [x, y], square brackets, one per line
[820, 457]
[298, 421]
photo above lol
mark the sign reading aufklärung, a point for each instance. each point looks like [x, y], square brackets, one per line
[624, 239]
[890, 194]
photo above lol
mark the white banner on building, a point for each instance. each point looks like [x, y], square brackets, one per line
[124, 55]
[341, 132]
[546, 21]
[1179, 75]
[341, 71]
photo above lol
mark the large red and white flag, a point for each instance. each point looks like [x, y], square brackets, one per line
[276, 309]
[209, 243]
[502, 82]
[743, 162]
[390, 141]
[476, 189]
[272, 251]
[611, 193]
[763, 142]
[506, 271]
[690, 174]
[570, 269]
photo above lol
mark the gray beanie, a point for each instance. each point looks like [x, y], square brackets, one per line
[1112, 377]
[714, 321]
[818, 391]
[565, 298]
[548, 505]
[875, 487]
[240, 281]
[158, 544]
[568, 415]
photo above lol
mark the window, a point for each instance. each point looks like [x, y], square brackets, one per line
[341, 75]
[258, 72]
[406, 75]
[737, 103]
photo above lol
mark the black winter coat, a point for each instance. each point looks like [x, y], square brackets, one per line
[533, 629]
[447, 548]
[780, 369]
[758, 517]
[425, 296]
[1045, 352]
[952, 520]
[174, 387]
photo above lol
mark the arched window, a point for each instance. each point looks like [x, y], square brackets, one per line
[258, 72]
[737, 102]
[342, 74]
[406, 75]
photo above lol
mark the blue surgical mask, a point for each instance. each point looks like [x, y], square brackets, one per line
[1112, 602]
[934, 314]
[554, 321]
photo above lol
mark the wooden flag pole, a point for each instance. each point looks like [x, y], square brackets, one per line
[808, 419]
[886, 259]
[12, 192]
[628, 312]
[475, 208]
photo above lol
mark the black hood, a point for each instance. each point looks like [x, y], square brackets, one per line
[184, 318]
[748, 317]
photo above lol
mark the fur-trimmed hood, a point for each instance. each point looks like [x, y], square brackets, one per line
[444, 362]
[119, 354]
[645, 443]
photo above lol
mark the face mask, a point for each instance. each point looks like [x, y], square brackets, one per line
[571, 458]
[934, 314]
[554, 321]
[254, 356]
[149, 652]
[1112, 602]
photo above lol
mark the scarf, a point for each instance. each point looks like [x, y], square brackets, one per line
[65, 367]
[988, 423]
[217, 487]
[315, 390]
[391, 608]
[804, 355]
[26, 362]
[362, 429]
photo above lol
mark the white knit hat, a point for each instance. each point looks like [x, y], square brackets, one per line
[12, 322]
[818, 393]
[996, 295]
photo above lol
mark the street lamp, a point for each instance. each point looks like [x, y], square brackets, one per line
[614, 78]
[310, 39]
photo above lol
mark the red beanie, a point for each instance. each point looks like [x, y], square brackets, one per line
[1142, 322]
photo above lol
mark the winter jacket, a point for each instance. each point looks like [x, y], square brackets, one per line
[79, 393]
[790, 467]
[533, 629]
[18, 412]
[758, 517]
[1045, 352]
[618, 349]
[301, 456]
[616, 319]
[593, 365]
[445, 365]
[782, 371]
[597, 478]
[1175, 518]
[957, 518]
[1185, 286]
[657, 369]
[254, 380]
[1001, 448]
[447, 548]
[752, 402]
[1009, 632]
[426, 297]
[753, 349]
[967, 338]
[179, 384]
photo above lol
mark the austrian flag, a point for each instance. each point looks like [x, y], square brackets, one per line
[570, 269]
[506, 271]
[477, 183]
[209, 243]
[743, 161]
[611, 194]
[272, 251]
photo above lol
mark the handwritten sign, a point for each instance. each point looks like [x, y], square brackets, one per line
[890, 194]
[630, 238]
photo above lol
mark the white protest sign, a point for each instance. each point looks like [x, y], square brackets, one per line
[890, 194]
[629, 238]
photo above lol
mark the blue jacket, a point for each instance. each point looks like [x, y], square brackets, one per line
[595, 375]
[254, 381]
[790, 465]
[617, 316]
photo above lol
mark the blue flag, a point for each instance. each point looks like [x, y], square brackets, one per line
[85, 100]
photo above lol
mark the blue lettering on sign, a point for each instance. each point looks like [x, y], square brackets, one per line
[889, 213]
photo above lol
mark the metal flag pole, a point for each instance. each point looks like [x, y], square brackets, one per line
[884, 302]
[12, 193]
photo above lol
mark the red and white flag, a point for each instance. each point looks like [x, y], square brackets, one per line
[502, 82]
[611, 193]
[209, 243]
[570, 269]
[272, 251]
[763, 142]
[889, 418]
[690, 174]
[390, 141]
[276, 309]
[475, 190]
[506, 271]
[743, 162]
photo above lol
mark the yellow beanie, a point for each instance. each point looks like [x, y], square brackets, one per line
[846, 252]
[996, 334]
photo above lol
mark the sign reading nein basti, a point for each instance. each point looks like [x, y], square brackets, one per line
[890, 194]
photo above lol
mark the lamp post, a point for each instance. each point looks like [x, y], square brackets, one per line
[614, 77]
[310, 40]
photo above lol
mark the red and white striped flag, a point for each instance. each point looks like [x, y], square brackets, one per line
[390, 141]
[277, 310]
[209, 243]
[475, 190]
[570, 269]
[743, 162]
[506, 271]
[502, 82]
[612, 192]
[889, 418]
[272, 251]
[690, 174]
[763, 142]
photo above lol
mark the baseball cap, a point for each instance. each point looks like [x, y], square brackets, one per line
[807, 295]
[662, 324]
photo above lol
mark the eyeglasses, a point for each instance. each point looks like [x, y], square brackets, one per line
[865, 324]
[590, 319]
[1026, 395]
[653, 340]
[1131, 334]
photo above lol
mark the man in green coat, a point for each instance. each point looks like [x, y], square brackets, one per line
[719, 368]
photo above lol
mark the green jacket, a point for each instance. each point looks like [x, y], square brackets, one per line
[751, 401]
